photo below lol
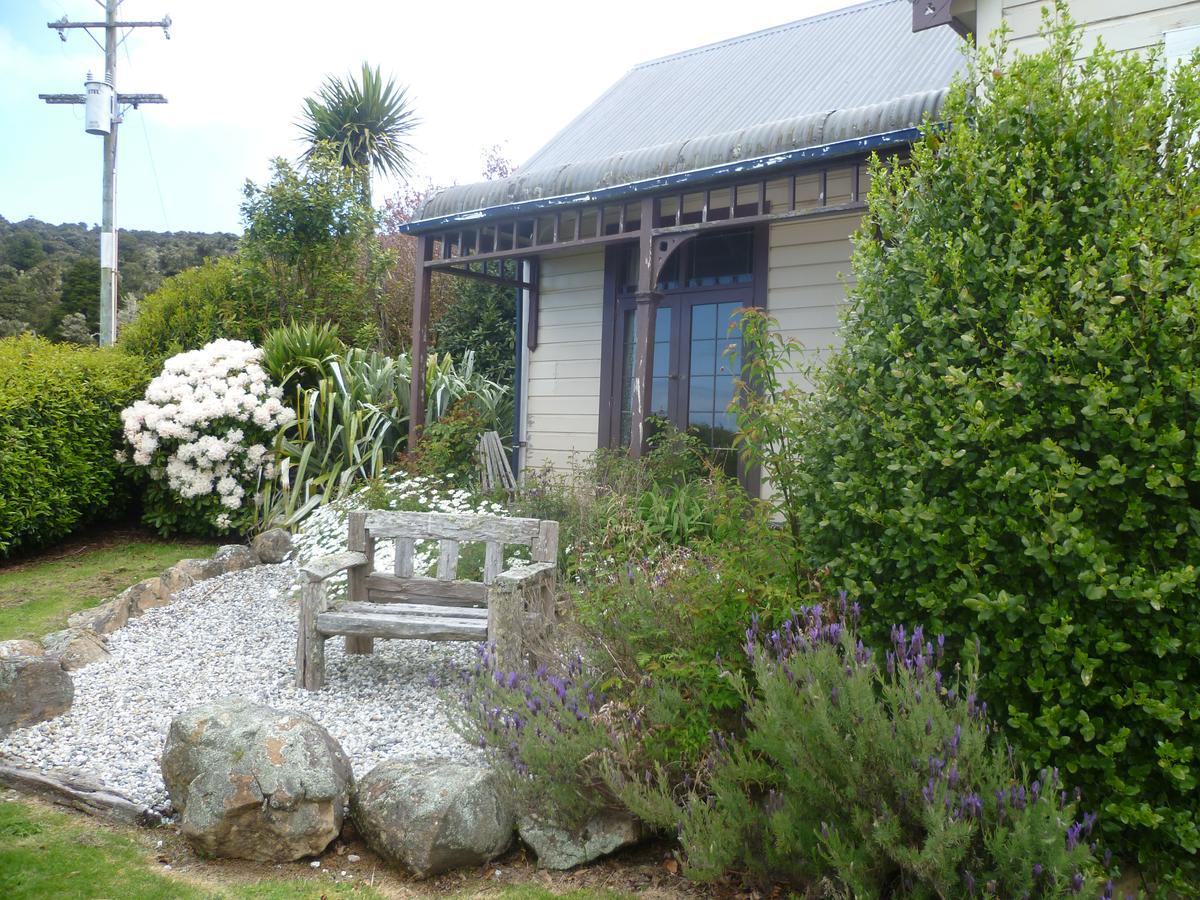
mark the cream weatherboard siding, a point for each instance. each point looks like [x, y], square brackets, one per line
[808, 272]
[1121, 24]
[563, 395]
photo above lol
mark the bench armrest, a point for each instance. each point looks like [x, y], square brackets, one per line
[524, 572]
[325, 566]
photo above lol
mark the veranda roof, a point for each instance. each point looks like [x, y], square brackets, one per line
[824, 84]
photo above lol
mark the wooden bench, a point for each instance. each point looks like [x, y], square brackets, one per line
[513, 608]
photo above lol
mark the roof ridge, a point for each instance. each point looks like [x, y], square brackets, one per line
[774, 29]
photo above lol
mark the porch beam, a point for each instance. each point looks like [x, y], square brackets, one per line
[420, 341]
[645, 315]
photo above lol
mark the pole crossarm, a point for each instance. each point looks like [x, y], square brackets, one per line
[133, 100]
[63, 24]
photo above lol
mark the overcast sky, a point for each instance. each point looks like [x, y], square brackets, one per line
[235, 73]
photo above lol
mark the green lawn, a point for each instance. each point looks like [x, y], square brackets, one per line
[37, 596]
[47, 853]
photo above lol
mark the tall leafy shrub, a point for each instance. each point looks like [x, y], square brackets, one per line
[60, 428]
[1008, 443]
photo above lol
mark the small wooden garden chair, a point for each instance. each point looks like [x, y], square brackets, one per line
[513, 608]
[495, 471]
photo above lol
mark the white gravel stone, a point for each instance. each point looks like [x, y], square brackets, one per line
[235, 636]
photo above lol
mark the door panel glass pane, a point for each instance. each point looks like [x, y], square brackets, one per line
[701, 395]
[704, 357]
[724, 393]
[704, 322]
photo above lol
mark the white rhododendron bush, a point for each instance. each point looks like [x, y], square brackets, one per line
[203, 435]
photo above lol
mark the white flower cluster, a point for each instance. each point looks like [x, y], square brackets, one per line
[206, 420]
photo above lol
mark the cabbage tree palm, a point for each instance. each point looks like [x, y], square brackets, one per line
[366, 120]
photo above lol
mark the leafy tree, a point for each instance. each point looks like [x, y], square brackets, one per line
[481, 319]
[366, 122]
[1007, 444]
[309, 252]
[81, 291]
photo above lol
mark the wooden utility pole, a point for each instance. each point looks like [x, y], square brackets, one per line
[108, 232]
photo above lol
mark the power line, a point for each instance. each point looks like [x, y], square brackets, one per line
[162, 205]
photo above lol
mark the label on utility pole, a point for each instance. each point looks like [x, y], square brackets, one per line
[107, 254]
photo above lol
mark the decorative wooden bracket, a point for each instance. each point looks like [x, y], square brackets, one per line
[663, 248]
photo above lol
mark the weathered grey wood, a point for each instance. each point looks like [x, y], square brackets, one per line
[88, 798]
[521, 611]
[514, 608]
[356, 586]
[416, 609]
[325, 566]
[454, 527]
[420, 589]
[310, 645]
[415, 627]
[493, 561]
[545, 546]
[496, 472]
[447, 569]
[405, 549]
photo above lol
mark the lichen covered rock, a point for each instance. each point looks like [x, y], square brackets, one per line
[252, 782]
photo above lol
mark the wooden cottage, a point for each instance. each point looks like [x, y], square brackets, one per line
[727, 176]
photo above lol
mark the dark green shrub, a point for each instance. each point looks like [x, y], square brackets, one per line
[191, 309]
[872, 780]
[60, 429]
[448, 446]
[1007, 446]
[481, 318]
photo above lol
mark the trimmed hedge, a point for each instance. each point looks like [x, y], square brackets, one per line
[1008, 445]
[60, 428]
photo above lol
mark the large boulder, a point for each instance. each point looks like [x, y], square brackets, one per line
[273, 546]
[106, 618]
[75, 648]
[232, 558]
[20, 648]
[432, 815]
[145, 595]
[32, 689]
[559, 847]
[252, 782]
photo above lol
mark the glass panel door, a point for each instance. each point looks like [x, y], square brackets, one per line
[715, 360]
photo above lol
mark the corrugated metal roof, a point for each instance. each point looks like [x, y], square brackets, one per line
[849, 73]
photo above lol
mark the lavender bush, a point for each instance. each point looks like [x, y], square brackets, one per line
[547, 733]
[872, 778]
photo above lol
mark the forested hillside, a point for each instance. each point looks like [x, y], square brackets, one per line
[48, 272]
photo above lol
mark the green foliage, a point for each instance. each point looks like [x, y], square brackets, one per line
[59, 430]
[309, 253]
[448, 446]
[364, 122]
[1007, 443]
[481, 319]
[50, 271]
[872, 781]
[191, 309]
[354, 423]
[768, 417]
[297, 355]
[545, 733]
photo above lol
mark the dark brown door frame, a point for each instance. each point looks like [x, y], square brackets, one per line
[680, 300]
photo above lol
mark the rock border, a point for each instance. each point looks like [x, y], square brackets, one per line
[84, 641]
